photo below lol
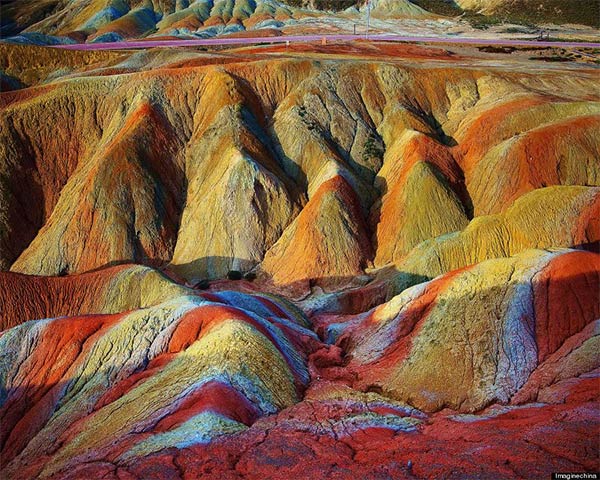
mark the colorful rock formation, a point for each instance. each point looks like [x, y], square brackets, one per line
[331, 227]
[128, 385]
[416, 150]
[245, 264]
[111, 290]
[529, 223]
[474, 336]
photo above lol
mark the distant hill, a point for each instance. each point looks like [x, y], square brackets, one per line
[91, 19]
[114, 20]
[440, 7]
[586, 12]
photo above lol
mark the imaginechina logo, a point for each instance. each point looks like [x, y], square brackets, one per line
[576, 476]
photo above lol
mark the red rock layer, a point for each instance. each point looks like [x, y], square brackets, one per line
[28, 297]
[339, 250]
[529, 442]
[567, 298]
[110, 290]
[30, 405]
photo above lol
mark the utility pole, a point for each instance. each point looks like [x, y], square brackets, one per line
[368, 17]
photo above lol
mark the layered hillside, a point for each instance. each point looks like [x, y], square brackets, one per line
[67, 21]
[519, 312]
[120, 19]
[345, 261]
[214, 168]
[227, 383]
[55, 22]
[179, 373]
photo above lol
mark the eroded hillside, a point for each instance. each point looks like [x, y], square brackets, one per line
[219, 167]
[417, 230]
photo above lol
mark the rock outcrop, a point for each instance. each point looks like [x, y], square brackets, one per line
[209, 167]
[256, 265]
[474, 336]
[422, 186]
[331, 227]
[531, 222]
[111, 290]
[127, 385]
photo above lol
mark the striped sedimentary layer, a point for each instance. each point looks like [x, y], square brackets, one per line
[52, 21]
[122, 386]
[101, 21]
[228, 383]
[469, 198]
[248, 164]
[499, 331]
[559, 216]
[337, 431]
[111, 290]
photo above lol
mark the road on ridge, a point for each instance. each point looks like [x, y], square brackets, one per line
[317, 38]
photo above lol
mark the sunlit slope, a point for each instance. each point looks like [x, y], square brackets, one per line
[474, 336]
[175, 374]
[211, 168]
